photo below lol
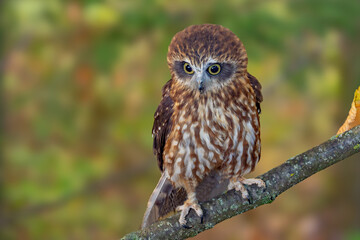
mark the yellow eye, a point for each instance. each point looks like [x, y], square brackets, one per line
[188, 69]
[214, 69]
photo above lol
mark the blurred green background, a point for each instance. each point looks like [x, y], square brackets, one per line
[81, 81]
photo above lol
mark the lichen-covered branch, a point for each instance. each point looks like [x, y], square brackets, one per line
[277, 180]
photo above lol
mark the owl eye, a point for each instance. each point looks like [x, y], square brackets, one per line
[188, 69]
[214, 69]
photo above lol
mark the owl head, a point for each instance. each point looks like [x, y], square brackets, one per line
[206, 57]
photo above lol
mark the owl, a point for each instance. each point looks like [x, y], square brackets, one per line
[206, 132]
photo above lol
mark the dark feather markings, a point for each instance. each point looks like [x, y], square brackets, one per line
[255, 84]
[162, 123]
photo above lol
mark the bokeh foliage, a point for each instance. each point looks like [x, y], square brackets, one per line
[82, 79]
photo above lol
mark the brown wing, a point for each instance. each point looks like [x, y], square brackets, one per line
[257, 89]
[162, 123]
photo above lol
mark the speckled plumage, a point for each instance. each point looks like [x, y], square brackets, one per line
[206, 128]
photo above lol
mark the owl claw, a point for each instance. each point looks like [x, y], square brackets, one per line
[186, 226]
[237, 183]
[250, 181]
[185, 208]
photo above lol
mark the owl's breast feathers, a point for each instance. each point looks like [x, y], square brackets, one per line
[214, 130]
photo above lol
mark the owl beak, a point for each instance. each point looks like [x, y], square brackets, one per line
[201, 87]
[201, 84]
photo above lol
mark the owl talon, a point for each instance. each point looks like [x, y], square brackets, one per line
[186, 226]
[185, 208]
[251, 181]
[237, 183]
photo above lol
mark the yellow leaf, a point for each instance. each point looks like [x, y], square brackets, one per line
[353, 118]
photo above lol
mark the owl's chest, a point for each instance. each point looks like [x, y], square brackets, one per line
[202, 138]
[209, 127]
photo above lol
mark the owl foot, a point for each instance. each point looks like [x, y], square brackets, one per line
[185, 208]
[237, 183]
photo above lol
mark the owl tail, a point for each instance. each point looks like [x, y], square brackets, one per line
[163, 200]
[165, 197]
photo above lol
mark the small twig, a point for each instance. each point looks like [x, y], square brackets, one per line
[277, 180]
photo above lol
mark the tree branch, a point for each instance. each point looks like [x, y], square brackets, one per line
[277, 180]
